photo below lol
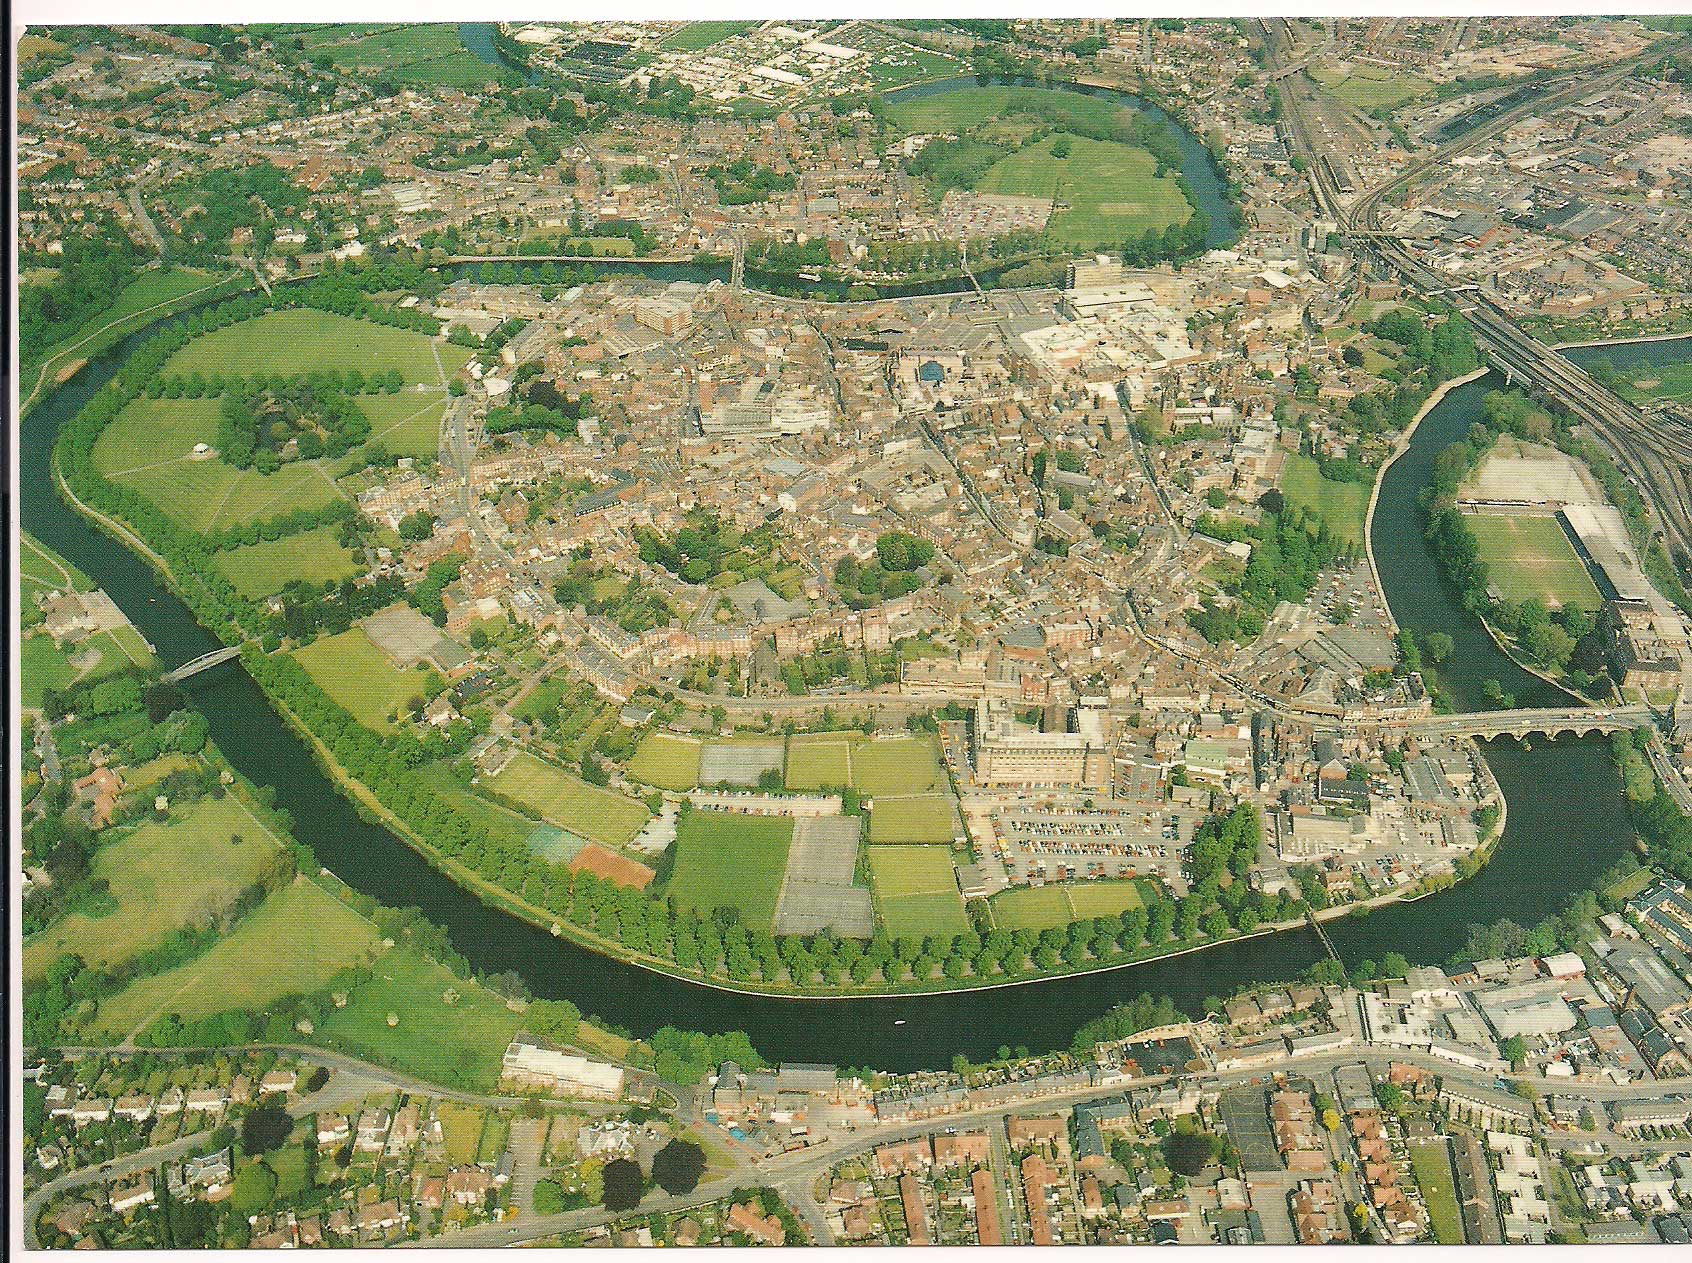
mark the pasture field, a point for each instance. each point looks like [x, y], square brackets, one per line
[451, 1029]
[358, 675]
[291, 944]
[697, 35]
[162, 876]
[730, 861]
[1369, 88]
[1344, 506]
[897, 765]
[1430, 1163]
[966, 107]
[667, 761]
[1055, 906]
[304, 340]
[262, 569]
[916, 891]
[1531, 556]
[1109, 191]
[819, 762]
[147, 447]
[568, 801]
[921, 818]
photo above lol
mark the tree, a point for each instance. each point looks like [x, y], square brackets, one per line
[621, 1185]
[1436, 647]
[1189, 1152]
[255, 1185]
[1513, 1050]
[676, 1167]
[264, 1129]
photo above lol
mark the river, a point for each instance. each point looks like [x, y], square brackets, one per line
[1566, 818]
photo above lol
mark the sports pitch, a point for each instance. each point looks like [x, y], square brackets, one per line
[1052, 907]
[919, 818]
[916, 891]
[1532, 557]
[730, 861]
[568, 801]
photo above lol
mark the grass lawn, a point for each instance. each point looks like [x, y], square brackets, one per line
[1430, 1163]
[358, 675]
[819, 762]
[42, 665]
[922, 818]
[1344, 506]
[730, 861]
[897, 765]
[292, 944]
[916, 891]
[1531, 556]
[568, 801]
[1050, 907]
[407, 424]
[41, 570]
[460, 1043]
[147, 447]
[1370, 87]
[163, 876]
[461, 1130]
[696, 35]
[667, 761]
[965, 107]
[261, 569]
[305, 340]
[1109, 191]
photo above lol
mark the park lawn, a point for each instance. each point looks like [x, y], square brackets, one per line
[460, 1042]
[304, 340]
[568, 801]
[41, 570]
[920, 818]
[966, 107]
[1031, 908]
[916, 891]
[1109, 191]
[359, 676]
[293, 943]
[1430, 1163]
[897, 765]
[1532, 556]
[148, 447]
[163, 876]
[1344, 506]
[697, 35]
[667, 761]
[730, 861]
[262, 569]
[407, 424]
[819, 762]
[1369, 88]
[149, 289]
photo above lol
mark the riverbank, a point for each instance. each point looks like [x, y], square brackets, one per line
[1398, 449]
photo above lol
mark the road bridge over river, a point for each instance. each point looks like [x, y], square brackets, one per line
[1577, 721]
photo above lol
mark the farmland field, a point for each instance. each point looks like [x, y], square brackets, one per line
[730, 861]
[1344, 506]
[163, 876]
[459, 1042]
[147, 446]
[568, 801]
[667, 761]
[1531, 556]
[261, 569]
[305, 340]
[819, 763]
[921, 818]
[1108, 191]
[916, 891]
[359, 676]
[291, 944]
